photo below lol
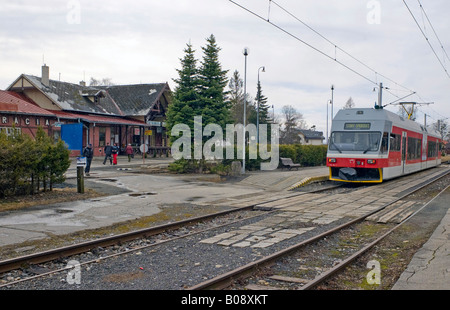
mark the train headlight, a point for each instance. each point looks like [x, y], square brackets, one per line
[372, 161]
[332, 160]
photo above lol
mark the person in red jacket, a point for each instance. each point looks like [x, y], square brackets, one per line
[129, 151]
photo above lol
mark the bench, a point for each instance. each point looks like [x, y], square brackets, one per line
[288, 163]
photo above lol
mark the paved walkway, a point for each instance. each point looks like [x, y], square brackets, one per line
[429, 269]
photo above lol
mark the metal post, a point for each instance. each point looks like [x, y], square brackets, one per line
[245, 108]
[332, 100]
[380, 96]
[328, 101]
[80, 179]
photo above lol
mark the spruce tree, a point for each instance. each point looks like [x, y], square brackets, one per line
[212, 83]
[263, 106]
[199, 92]
[185, 103]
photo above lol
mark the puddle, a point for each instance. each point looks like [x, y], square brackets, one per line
[63, 211]
[141, 194]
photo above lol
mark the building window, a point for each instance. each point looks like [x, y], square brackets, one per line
[10, 130]
[56, 135]
[101, 136]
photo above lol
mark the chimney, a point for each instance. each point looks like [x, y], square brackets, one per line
[45, 75]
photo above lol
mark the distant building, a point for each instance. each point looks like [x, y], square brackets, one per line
[119, 114]
[20, 113]
[310, 137]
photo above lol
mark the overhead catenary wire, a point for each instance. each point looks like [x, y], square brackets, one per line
[339, 48]
[426, 38]
[434, 31]
[336, 47]
[304, 42]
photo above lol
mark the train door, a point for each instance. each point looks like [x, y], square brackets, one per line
[403, 151]
[424, 151]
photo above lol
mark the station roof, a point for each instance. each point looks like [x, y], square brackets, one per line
[13, 102]
[114, 100]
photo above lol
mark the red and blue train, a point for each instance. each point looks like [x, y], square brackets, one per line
[373, 145]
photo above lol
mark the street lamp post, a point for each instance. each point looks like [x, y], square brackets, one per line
[332, 100]
[257, 108]
[328, 102]
[245, 52]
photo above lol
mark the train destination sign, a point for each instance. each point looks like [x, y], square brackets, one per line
[357, 126]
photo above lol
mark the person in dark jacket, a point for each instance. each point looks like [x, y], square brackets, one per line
[108, 152]
[89, 154]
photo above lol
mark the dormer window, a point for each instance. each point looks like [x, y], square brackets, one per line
[94, 95]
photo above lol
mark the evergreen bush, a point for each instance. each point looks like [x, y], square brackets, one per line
[26, 164]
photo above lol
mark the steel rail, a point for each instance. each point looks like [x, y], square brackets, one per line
[45, 256]
[226, 279]
[319, 279]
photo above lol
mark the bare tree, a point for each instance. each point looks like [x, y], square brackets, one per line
[236, 98]
[293, 121]
[102, 82]
[349, 104]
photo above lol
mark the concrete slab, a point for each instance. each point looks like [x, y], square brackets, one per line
[429, 268]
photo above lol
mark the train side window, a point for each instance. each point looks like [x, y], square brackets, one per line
[384, 143]
[414, 148]
[432, 149]
[395, 143]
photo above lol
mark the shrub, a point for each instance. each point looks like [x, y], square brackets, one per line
[26, 163]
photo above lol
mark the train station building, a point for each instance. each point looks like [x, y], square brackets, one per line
[80, 114]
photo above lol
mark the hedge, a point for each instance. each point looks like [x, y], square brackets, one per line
[305, 155]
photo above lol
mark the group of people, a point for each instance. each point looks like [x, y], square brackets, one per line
[111, 153]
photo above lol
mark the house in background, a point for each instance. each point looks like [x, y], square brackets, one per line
[122, 114]
[21, 114]
[310, 137]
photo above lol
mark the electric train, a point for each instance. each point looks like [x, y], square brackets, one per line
[374, 145]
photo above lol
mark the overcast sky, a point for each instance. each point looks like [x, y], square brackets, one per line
[142, 42]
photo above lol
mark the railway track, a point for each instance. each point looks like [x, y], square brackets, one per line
[124, 240]
[141, 242]
[263, 278]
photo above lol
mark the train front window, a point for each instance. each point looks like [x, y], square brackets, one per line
[355, 141]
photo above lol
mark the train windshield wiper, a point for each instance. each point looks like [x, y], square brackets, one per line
[336, 147]
[366, 150]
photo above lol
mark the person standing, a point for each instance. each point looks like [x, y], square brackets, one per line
[89, 154]
[115, 152]
[108, 152]
[129, 152]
